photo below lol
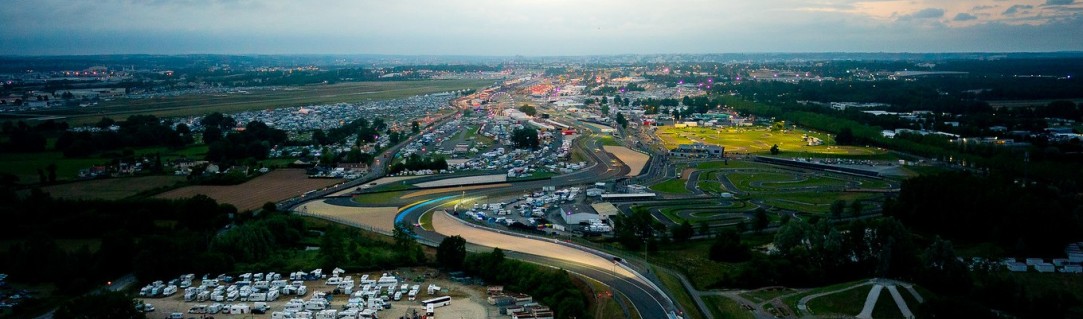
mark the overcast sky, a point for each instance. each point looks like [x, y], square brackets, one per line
[535, 28]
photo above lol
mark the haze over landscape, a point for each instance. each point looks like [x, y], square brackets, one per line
[536, 28]
[550, 159]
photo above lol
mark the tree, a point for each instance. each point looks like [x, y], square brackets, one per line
[845, 136]
[704, 228]
[774, 149]
[855, 208]
[528, 110]
[51, 168]
[320, 138]
[451, 252]
[681, 233]
[525, 138]
[415, 127]
[760, 220]
[727, 247]
[104, 305]
[621, 120]
[837, 207]
[212, 134]
[403, 235]
[605, 110]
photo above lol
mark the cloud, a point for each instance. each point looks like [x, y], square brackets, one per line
[963, 16]
[982, 7]
[927, 13]
[1015, 9]
[1058, 2]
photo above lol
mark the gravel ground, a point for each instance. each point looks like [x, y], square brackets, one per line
[467, 302]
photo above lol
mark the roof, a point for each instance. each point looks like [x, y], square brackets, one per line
[605, 209]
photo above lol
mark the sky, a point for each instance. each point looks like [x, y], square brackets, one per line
[536, 28]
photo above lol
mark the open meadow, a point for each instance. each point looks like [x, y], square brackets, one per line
[758, 140]
[255, 99]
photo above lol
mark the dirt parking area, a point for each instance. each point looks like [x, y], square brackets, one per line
[467, 301]
[275, 186]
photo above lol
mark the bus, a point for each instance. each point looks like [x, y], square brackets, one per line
[437, 302]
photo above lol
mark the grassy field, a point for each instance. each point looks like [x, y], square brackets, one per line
[729, 164]
[258, 99]
[886, 307]
[603, 305]
[673, 285]
[722, 307]
[673, 186]
[377, 198]
[759, 140]
[607, 140]
[25, 165]
[767, 294]
[791, 300]
[847, 303]
[112, 188]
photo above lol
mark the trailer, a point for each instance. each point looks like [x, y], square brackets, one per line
[437, 302]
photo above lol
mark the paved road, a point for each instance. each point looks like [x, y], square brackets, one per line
[119, 284]
[650, 301]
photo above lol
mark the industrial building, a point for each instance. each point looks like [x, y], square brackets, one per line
[698, 150]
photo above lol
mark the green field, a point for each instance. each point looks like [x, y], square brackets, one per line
[722, 307]
[759, 140]
[791, 300]
[258, 99]
[847, 303]
[764, 295]
[607, 140]
[886, 307]
[25, 165]
[673, 285]
[672, 186]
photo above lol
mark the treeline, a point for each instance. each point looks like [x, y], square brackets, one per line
[25, 138]
[152, 237]
[254, 142]
[1033, 221]
[366, 132]
[136, 131]
[816, 253]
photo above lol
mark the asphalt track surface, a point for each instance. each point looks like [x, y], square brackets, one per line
[648, 300]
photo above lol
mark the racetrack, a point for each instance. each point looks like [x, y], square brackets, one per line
[635, 160]
[444, 224]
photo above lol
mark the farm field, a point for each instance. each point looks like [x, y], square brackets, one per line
[257, 99]
[759, 140]
[25, 165]
[275, 186]
[110, 188]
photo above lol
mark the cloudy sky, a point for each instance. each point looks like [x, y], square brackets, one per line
[534, 28]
